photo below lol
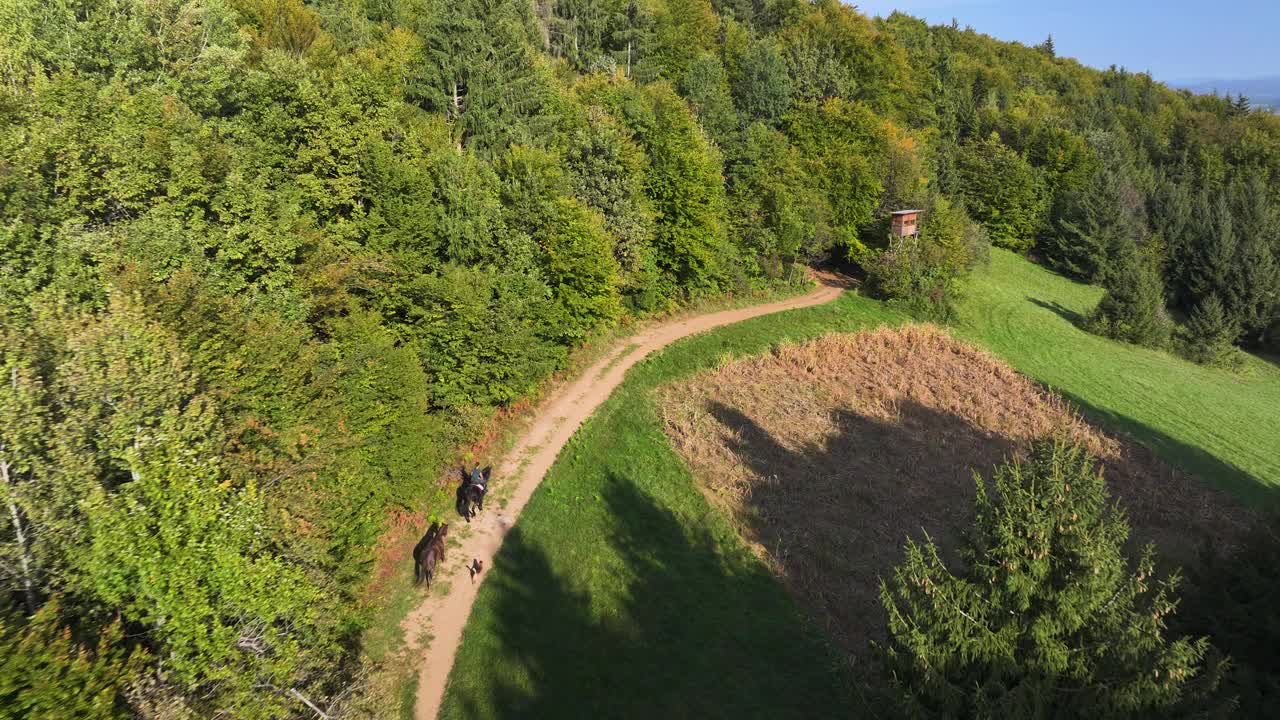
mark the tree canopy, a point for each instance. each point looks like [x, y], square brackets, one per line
[265, 265]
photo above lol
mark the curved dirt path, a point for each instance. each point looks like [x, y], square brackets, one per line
[436, 625]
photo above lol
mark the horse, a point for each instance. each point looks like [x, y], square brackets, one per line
[471, 493]
[429, 553]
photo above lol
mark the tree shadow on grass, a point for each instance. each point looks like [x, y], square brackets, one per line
[1232, 596]
[1231, 589]
[683, 630]
[835, 517]
[1060, 310]
[1206, 469]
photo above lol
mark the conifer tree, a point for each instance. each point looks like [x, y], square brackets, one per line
[1091, 219]
[1047, 47]
[1252, 291]
[1002, 191]
[1208, 335]
[1049, 618]
[479, 68]
[1132, 310]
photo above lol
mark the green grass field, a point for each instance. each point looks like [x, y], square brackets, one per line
[621, 593]
[1222, 426]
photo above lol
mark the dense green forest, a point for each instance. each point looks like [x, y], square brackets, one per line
[265, 264]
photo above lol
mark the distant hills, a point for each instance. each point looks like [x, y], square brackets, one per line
[1262, 91]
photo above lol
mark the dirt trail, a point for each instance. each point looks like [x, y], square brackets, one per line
[436, 625]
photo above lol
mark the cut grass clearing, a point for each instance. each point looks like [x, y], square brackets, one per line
[829, 454]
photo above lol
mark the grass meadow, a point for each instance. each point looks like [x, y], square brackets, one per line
[1223, 426]
[623, 592]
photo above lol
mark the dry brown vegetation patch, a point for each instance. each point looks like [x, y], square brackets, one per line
[829, 454]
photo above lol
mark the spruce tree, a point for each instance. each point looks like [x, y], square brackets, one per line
[1047, 47]
[1048, 618]
[1252, 291]
[1208, 335]
[1091, 219]
[1132, 310]
[479, 69]
[1213, 249]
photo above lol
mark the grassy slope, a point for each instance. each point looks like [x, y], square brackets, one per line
[621, 594]
[1223, 427]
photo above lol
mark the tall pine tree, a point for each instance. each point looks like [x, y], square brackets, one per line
[1132, 310]
[1252, 292]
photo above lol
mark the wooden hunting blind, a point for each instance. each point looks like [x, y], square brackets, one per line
[904, 223]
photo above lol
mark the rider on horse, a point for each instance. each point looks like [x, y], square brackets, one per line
[477, 477]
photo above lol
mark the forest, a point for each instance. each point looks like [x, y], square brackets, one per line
[265, 265]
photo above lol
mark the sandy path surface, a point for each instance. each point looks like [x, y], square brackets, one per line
[436, 625]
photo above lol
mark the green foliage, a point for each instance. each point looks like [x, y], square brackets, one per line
[923, 274]
[477, 333]
[479, 68]
[1048, 616]
[1001, 191]
[169, 540]
[686, 187]
[1091, 218]
[675, 33]
[707, 90]
[1208, 337]
[833, 51]
[311, 246]
[842, 145]
[581, 270]
[46, 674]
[915, 275]
[780, 216]
[1132, 310]
[578, 256]
[592, 34]
[762, 87]
[607, 171]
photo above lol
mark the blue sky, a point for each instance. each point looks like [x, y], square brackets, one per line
[1174, 40]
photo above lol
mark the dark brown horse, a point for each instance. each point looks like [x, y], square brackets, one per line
[429, 553]
[471, 492]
